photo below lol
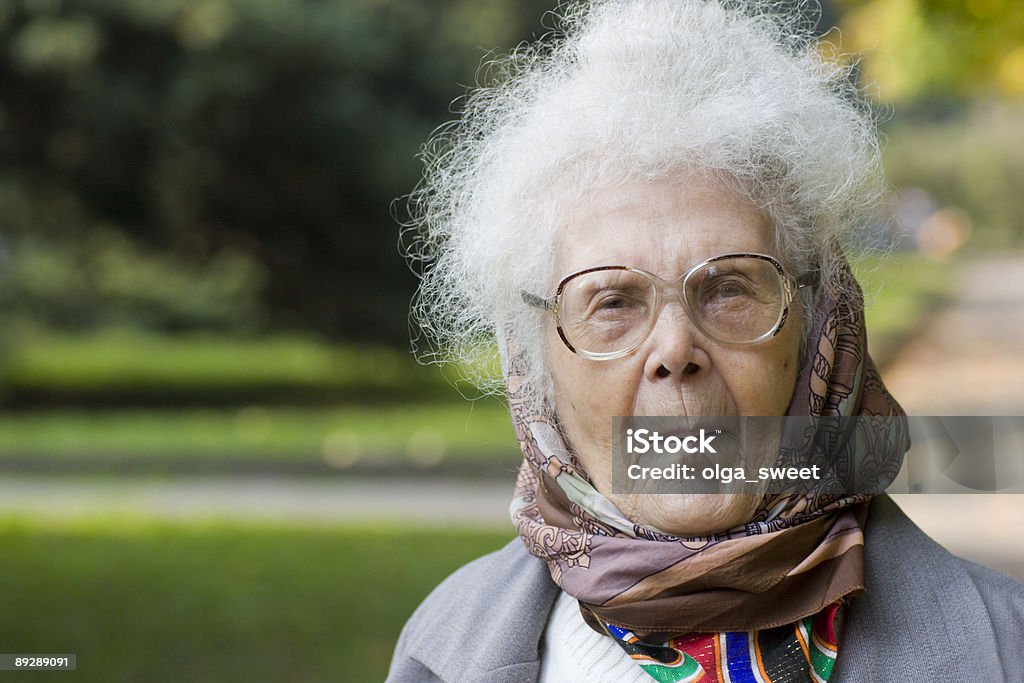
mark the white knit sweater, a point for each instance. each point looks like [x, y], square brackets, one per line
[573, 652]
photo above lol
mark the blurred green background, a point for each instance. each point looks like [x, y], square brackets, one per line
[199, 278]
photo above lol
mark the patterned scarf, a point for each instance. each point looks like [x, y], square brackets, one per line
[804, 651]
[795, 561]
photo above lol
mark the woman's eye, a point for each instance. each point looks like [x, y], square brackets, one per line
[615, 305]
[612, 302]
[728, 289]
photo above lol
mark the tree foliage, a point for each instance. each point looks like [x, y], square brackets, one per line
[926, 49]
[274, 131]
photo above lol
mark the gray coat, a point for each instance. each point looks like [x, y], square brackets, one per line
[926, 616]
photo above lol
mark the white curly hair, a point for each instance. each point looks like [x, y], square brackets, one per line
[630, 90]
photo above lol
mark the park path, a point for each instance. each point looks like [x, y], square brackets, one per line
[391, 500]
[968, 360]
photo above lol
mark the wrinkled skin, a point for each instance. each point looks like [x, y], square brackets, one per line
[665, 227]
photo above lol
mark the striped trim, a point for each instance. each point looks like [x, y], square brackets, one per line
[802, 633]
[827, 648]
[822, 662]
[721, 669]
[822, 654]
[757, 662]
[737, 652]
[663, 674]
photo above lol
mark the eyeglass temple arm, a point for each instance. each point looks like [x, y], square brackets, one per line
[810, 279]
[537, 301]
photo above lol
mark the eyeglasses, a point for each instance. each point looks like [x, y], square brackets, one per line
[606, 312]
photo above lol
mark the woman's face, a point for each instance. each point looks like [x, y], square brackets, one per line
[665, 227]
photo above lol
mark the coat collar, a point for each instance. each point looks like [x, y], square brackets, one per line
[909, 624]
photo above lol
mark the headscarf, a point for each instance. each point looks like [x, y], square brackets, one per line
[800, 555]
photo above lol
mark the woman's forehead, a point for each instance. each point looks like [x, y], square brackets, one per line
[663, 226]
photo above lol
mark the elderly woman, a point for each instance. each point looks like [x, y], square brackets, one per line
[649, 216]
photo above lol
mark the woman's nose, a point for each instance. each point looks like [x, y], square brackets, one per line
[675, 351]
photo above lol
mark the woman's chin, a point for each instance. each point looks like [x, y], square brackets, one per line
[692, 515]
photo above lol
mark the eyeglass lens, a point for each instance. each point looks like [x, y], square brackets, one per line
[733, 300]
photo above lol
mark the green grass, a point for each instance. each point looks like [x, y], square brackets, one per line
[368, 403]
[339, 435]
[200, 366]
[216, 602]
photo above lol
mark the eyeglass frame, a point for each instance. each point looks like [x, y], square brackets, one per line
[790, 286]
